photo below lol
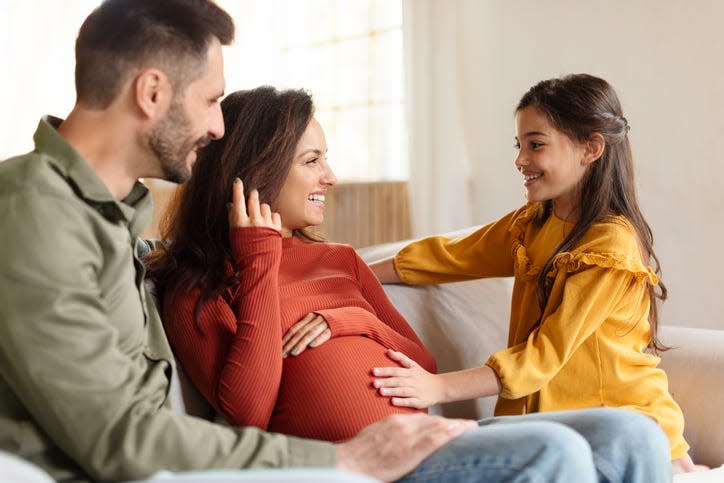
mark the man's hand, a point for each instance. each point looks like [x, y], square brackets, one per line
[409, 385]
[394, 446]
[311, 331]
[256, 215]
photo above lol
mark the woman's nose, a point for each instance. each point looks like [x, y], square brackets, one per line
[328, 177]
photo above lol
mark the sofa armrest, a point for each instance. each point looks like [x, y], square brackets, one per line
[695, 368]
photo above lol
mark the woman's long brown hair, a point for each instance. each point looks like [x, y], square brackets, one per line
[263, 127]
[579, 105]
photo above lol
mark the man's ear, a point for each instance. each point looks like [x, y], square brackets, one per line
[594, 147]
[152, 92]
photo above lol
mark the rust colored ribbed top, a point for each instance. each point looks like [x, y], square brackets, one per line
[234, 353]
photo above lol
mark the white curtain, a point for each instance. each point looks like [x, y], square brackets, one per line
[440, 175]
[37, 39]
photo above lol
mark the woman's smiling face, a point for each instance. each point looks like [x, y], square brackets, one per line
[301, 200]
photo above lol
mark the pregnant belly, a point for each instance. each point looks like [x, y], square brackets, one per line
[326, 392]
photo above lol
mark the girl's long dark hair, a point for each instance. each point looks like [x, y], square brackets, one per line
[263, 127]
[579, 105]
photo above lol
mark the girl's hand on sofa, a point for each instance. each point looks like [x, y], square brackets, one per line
[409, 385]
[311, 331]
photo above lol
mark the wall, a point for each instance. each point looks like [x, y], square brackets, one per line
[665, 60]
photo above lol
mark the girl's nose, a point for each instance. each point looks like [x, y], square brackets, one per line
[520, 161]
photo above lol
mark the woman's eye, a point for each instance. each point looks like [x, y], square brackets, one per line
[535, 145]
[516, 145]
[311, 161]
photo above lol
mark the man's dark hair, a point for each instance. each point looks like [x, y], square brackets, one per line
[121, 35]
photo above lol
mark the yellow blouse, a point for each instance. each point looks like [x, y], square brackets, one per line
[590, 347]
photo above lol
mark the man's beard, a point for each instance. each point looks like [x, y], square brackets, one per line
[170, 140]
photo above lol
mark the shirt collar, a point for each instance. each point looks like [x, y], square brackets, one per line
[134, 210]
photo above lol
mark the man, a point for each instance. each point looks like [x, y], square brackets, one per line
[84, 363]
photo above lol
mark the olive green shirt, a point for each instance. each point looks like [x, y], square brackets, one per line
[85, 366]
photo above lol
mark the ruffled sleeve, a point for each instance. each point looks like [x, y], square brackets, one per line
[576, 262]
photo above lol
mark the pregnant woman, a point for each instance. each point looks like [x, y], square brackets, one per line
[275, 327]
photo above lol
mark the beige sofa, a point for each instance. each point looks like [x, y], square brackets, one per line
[463, 323]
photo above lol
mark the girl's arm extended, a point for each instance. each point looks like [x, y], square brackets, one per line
[412, 386]
[588, 296]
[385, 271]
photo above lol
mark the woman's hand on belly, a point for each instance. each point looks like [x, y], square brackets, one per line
[311, 331]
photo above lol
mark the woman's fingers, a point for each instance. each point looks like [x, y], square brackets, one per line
[294, 329]
[253, 209]
[237, 207]
[321, 338]
[250, 212]
[237, 194]
[311, 331]
[276, 221]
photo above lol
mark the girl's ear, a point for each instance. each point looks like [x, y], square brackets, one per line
[594, 147]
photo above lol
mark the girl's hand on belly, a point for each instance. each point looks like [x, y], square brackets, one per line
[311, 331]
[409, 385]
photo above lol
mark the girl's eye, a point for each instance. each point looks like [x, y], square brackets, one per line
[516, 145]
[535, 145]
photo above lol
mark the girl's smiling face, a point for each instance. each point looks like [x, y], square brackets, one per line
[552, 164]
[300, 203]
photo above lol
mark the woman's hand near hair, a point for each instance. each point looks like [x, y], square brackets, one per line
[311, 331]
[251, 213]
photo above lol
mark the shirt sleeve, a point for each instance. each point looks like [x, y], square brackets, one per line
[67, 373]
[487, 252]
[588, 296]
[386, 325]
[234, 354]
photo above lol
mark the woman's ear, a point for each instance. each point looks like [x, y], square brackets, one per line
[594, 147]
[152, 92]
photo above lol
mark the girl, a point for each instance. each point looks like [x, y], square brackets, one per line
[583, 326]
[276, 329]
